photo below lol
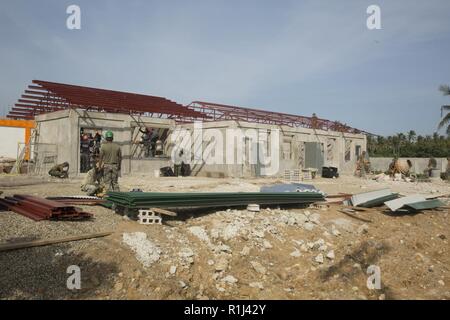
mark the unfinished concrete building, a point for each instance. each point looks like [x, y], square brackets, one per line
[64, 113]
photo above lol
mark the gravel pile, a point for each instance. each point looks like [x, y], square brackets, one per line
[146, 251]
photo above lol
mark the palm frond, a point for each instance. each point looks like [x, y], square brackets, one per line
[445, 89]
[445, 121]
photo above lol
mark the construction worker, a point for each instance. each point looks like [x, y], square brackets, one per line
[93, 182]
[432, 164]
[146, 142]
[60, 170]
[177, 162]
[400, 166]
[110, 160]
[362, 165]
[85, 150]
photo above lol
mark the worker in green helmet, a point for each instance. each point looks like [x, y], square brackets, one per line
[110, 160]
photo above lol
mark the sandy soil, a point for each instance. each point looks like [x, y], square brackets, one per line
[287, 253]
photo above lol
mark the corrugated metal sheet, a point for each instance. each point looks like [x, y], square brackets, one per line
[424, 205]
[364, 197]
[395, 205]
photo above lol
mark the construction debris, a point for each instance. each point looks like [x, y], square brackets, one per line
[146, 251]
[37, 208]
[373, 198]
[6, 164]
[397, 204]
[351, 213]
[413, 203]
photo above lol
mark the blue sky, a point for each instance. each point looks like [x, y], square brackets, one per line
[290, 56]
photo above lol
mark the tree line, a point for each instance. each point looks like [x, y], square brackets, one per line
[409, 145]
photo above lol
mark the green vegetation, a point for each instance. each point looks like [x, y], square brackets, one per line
[411, 145]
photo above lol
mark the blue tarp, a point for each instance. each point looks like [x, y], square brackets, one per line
[289, 187]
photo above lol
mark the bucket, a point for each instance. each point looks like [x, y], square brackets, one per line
[435, 173]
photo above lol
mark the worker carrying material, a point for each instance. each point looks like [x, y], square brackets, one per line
[110, 161]
[93, 182]
[60, 171]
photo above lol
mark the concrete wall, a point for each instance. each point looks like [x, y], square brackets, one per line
[148, 166]
[62, 128]
[333, 144]
[10, 138]
[419, 164]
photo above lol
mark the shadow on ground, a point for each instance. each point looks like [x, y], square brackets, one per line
[366, 254]
[41, 273]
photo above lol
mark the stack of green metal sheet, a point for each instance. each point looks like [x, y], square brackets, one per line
[134, 200]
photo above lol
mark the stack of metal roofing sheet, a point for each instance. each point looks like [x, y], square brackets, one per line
[37, 208]
[174, 199]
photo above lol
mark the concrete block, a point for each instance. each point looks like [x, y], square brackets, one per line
[149, 217]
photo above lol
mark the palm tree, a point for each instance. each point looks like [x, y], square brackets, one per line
[411, 136]
[445, 121]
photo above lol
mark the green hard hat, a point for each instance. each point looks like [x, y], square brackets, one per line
[109, 134]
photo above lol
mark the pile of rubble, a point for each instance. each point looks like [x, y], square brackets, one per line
[225, 238]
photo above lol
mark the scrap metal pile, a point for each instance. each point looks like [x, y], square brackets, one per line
[393, 201]
[135, 200]
[37, 208]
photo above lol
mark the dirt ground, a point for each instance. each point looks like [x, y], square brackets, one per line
[287, 253]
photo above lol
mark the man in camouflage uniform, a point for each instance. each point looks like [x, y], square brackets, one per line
[93, 182]
[146, 142]
[60, 170]
[110, 161]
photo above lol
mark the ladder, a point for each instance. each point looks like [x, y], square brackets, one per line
[21, 155]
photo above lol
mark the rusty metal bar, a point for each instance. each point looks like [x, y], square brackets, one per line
[37, 208]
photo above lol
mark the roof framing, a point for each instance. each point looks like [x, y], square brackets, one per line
[43, 97]
[217, 112]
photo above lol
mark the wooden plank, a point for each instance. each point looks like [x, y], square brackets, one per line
[348, 213]
[40, 243]
[163, 211]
